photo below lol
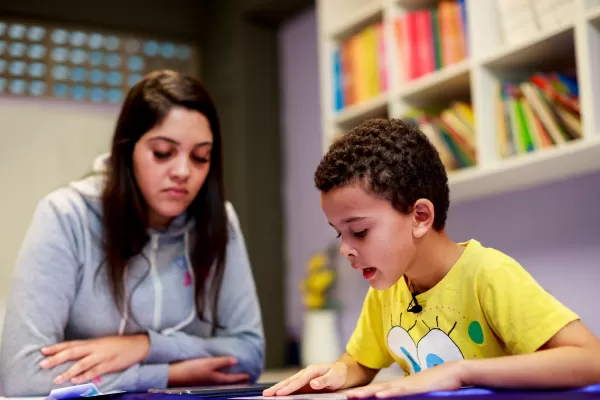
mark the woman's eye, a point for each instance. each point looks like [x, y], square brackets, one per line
[360, 234]
[201, 160]
[161, 156]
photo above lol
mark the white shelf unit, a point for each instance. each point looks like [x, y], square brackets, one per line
[573, 43]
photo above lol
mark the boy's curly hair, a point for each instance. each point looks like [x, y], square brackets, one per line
[394, 160]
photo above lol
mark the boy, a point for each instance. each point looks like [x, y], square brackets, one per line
[471, 312]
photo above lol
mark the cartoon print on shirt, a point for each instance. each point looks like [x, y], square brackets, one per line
[434, 348]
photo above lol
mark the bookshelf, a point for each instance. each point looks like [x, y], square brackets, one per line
[497, 49]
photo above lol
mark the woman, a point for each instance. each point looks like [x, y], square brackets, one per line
[138, 278]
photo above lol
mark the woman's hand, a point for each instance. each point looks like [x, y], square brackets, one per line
[319, 377]
[204, 371]
[96, 356]
[441, 377]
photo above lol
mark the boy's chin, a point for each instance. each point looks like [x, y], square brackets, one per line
[381, 284]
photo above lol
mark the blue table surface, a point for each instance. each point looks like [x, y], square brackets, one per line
[590, 392]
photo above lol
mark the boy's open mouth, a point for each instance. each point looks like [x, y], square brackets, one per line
[369, 272]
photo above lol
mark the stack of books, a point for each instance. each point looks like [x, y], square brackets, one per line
[537, 113]
[359, 67]
[451, 130]
[431, 39]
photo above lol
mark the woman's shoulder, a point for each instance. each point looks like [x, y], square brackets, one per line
[73, 202]
[232, 217]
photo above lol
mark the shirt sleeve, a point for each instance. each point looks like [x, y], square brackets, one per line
[521, 313]
[367, 343]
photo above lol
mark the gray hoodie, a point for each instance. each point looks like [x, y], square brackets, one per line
[60, 292]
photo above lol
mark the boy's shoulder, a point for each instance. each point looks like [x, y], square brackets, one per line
[484, 263]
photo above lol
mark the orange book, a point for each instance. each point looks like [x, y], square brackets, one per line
[447, 35]
[459, 42]
[347, 72]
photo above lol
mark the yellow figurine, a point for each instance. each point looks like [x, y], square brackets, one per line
[319, 279]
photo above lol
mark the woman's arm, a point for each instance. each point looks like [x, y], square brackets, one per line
[239, 313]
[43, 290]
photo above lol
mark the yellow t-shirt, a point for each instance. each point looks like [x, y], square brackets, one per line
[486, 306]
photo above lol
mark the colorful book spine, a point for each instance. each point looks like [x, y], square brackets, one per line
[432, 38]
[451, 131]
[338, 80]
[543, 113]
[381, 57]
[359, 70]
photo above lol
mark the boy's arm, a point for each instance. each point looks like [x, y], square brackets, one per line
[357, 374]
[570, 359]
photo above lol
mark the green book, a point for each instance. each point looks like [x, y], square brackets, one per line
[437, 42]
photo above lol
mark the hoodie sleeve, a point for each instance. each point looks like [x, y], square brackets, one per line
[43, 289]
[239, 312]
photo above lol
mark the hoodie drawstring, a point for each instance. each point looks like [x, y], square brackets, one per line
[125, 304]
[188, 264]
[158, 290]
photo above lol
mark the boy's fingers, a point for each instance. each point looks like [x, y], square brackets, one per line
[273, 389]
[328, 381]
[368, 391]
[303, 379]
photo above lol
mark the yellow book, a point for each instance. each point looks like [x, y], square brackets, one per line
[361, 62]
[532, 127]
[450, 117]
[465, 112]
[371, 54]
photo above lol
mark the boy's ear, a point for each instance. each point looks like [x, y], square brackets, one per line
[423, 214]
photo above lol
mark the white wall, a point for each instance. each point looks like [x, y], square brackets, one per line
[43, 145]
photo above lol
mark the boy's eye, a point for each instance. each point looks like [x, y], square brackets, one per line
[161, 156]
[338, 235]
[360, 234]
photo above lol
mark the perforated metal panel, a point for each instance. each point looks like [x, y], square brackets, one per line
[83, 65]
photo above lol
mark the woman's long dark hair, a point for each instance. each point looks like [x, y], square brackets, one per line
[126, 211]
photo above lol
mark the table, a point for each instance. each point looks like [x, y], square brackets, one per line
[590, 392]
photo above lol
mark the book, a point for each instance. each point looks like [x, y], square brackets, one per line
[537, 113]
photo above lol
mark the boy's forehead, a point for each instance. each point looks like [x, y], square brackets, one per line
[339, 202]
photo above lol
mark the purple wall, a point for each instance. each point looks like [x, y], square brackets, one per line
[306, 229]
[553, 231]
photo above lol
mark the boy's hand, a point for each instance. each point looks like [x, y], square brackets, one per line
[317, 377]
[441, 377]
